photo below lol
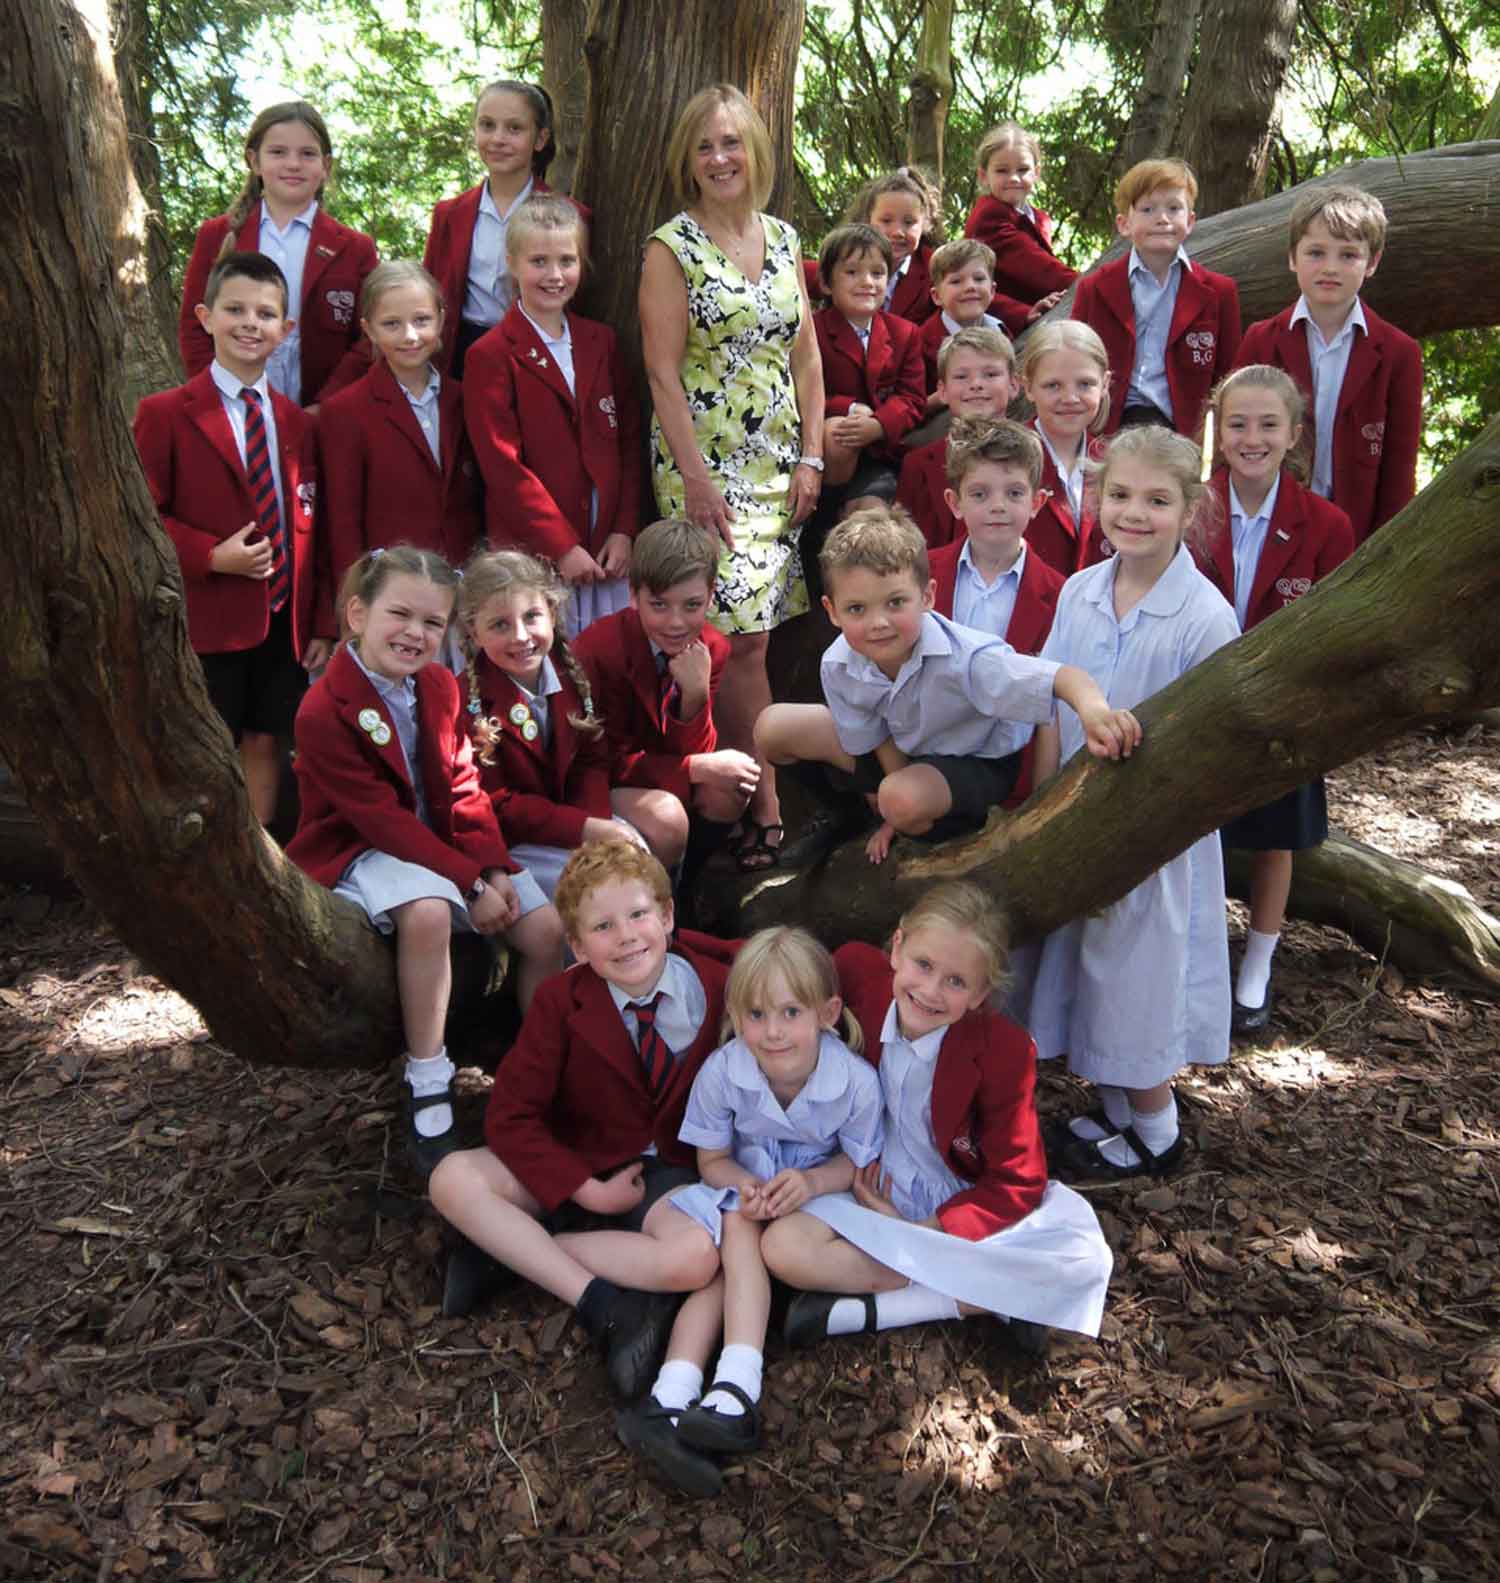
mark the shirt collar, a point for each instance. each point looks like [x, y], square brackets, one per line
[931, 639]
[304, 219]
[952, 326]
[669, 983]
[229, 385]
[924, 1048]
[565, 339]
[863, 334]
[1172, 591]
[546, 682]
[966, 559]
[1355, 321]
[1267, 506]
[405, 689]
[825, 1082]
[434, 385]
[487, 202]
[1138, 264]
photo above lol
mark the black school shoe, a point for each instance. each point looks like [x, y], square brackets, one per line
[1084, 1161]
[425, 1153]
[807, 1317]
[1251, 1019]
[824, 829]
[471, 1277]
[729, 1433]
[634, 1336]
[647, 1429]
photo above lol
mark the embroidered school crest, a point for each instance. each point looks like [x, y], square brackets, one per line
[1201, 344]
[340, 305]
[1374, 434]
[1291, 588]
[607, 407]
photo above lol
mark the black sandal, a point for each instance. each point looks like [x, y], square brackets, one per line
[754, 853]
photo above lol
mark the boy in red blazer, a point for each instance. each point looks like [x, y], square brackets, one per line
[1019, 234]
[1362, 376]
[976, 379]
[872, 369]
[991, 578]
[655, 668]
[229, 462]
[1171, 327]
[963, 292]
[585, 1116]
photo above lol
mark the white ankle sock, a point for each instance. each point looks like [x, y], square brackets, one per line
[912, 1305]
[677, 1385]
[431, 1076]
[1116, 1105]
[738, 1365]
[1255, 968]
[1157, 1129]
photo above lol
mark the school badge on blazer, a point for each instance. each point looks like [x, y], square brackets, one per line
[1201, 344]
[340, 305]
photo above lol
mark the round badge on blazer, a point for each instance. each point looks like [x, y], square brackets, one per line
[519, 714]
[381, 735]
[530, 731]
[369, 719]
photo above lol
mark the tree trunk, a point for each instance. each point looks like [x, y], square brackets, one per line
[1489, 122]
[1151, 132]
[1406, 631]
[645, 61]
[103, 715]
[931, 89]
[564, 24]
[1243, 50]
[1438, 272]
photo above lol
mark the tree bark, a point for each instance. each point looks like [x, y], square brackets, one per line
[645, 61]
[1244, 47]
[1438, 272]
[564, 25]
[1151, 132]
[1405, 632]
[103, 715]
[931, 89]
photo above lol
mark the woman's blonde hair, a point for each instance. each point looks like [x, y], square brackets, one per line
[970, 911]
[491, 572]
[805, 967]
[1068, 335]
[250, 194]
[1262, 376]
[1179, 459]
[760, 158]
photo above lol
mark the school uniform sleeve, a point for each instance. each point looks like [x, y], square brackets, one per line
[193, 341]
[862, 1135]
[708, 1121]
[1397, 482]
[1023, 266]
[476, 832]
[154, 428]
[861, 727]
[906, 404]
[1008, 686]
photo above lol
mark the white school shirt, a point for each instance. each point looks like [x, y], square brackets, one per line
[491, 287]
[1154, 303]
[921, 1180]
[1330, 362]
[1249, 536]
[229, 388]
[424, 409]
[988, 606]
[959, 691]
[839, 1109]
[1072, 481]
[546, 684]
[681, 1013]
[895, 280]
[401, 699]
[288, 249]
[864, 334]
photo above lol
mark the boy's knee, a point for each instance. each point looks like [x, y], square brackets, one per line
[902, 803]
[691, 1262]
[663, 821]
[719, 806]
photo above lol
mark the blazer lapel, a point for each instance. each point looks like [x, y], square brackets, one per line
[1191, 295]
[536, 359]
[877, 358]
[1057, 492]
[1114, 292]
[357, 696]
[1284, 534]
[1364, 363]
[207, 409]
[323, 247]
[386, 389]
[953, 1087]
[1024, 634]
[596, 1020]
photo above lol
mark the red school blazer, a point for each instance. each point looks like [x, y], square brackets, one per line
[1202, 340]
[887, 378]
[1011, 314]
[1026, 632]
[1378, 423]
[1065, 545]
[1025, 265]
[197, 480]
[450, 240]
[334, 350]
[356, 794]
[1305, 539]
[542, 449]
[572, 1099]
[616, 653]
[380, 484]
[924, 477]
[542, 793]
[983, 1101]
[912, 298]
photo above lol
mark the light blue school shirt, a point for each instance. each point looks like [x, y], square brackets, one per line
[921, 1181]
[988, 606]
[952, 326]
[491, 287]
[424, 409]
[959, 691]
[684, 1005]
[1072, 479]
[288, 249]
[400, 698]
[1154, 303]
[839, 1109]
[1248, 535]
[1330, 362]
[229, 388]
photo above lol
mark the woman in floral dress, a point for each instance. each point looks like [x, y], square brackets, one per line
[737, 385]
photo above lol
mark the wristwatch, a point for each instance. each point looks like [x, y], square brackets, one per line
[814, 462]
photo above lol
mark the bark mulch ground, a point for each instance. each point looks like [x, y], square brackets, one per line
[223, 1357]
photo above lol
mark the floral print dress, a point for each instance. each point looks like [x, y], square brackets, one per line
[737, 376]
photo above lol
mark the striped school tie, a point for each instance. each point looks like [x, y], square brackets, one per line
[263, 493]
[656, 1057]
[667, 693]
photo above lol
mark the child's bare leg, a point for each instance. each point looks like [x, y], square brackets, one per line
[695, 1330]
[839, 460]
[538, 939]
[262, 768]
[670, 1253]
[913, 799]
[658, 815]
[744, 695]
[747, 1285]
[788, 733]
[1270, 885]
[813, 1257]
[424, 973]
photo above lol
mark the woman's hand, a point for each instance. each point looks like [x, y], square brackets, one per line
[707, 507]
[578, 566]
[614, 555]
[802, 493]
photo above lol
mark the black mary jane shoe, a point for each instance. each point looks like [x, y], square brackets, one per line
[635, 1336]
[470, 1278]
[1084, 1161]
[1251, 1019]
[647, 1429]
[425, 1154]
[1058, 1133]
[807, 1316]
[731, 1434]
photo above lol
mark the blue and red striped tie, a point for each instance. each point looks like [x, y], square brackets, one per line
[656, 1057]
[667, 693]
[263, 493]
